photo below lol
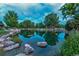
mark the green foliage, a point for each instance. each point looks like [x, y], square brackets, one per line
[70, 46]
[51, 38]
[2, 52]
[2, 31]
[11, 18]
[69, 9]
[40, 25]
[27, 24]
[27, 33]
[70, 25]
[51, 20]
[16, 39]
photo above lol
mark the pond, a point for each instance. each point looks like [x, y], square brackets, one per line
[48, 51]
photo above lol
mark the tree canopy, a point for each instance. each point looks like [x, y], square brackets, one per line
[51, 20]
[11, 19]
[71, 10]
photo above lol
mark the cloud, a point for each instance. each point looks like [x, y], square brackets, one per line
[34, 11]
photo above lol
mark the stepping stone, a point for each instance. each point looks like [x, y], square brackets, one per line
[42, 44]
[28, 49]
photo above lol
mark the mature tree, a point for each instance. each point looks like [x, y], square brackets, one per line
[27, 24]
[70, 46]
[70, 25]
[51, 20]
[71, 10]
[11, 18]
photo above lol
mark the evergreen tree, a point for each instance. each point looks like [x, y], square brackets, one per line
[11, 18]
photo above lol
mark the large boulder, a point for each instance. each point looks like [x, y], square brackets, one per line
[28, 49]
[11, 47]
[42, 44]
[9, 43]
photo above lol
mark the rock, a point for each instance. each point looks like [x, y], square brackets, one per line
[8, 43]
[11, 47]
[9, 38]
[1, 45]
[2, 39]
[28, 49]
[42, 44]
[21, 54]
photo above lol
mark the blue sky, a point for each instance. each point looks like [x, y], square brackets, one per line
[31, 11]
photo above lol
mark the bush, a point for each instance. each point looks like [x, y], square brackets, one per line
[70, 46]
[16, 39]
[26, 33]
[2, 31]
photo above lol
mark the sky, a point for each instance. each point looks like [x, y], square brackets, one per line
[35, 12]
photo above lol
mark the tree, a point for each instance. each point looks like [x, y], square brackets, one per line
[70, 25]
[51, 20]
[70, 46]
[71, 10]
[11, 18]
[27, 24]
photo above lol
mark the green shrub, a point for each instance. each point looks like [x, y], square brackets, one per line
[16, 39]
[70, 46]
[1, 52]
[2, 31]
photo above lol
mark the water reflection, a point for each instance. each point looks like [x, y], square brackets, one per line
[48, 51]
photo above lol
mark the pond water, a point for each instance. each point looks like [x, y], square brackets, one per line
[38, 38]
[48, 51]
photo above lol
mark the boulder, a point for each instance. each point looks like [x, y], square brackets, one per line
[11, 47]
[28, 49]
[8, 43]
[42, 44]
[1, 45]
[2, 39]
